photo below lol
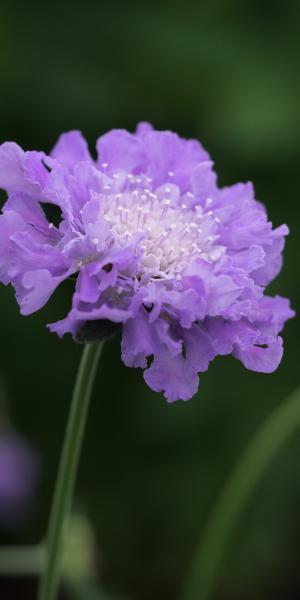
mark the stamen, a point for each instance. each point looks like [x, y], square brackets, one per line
[171, 233]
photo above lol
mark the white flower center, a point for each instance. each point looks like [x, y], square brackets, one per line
[172, 234]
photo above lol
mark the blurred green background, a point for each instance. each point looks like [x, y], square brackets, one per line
[226, 72]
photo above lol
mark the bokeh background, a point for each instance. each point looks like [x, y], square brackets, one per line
[226, 72]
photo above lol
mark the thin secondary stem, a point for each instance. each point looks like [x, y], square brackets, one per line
[262, 449]
[67, 471]
[21, 560]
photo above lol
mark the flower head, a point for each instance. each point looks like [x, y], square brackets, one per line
[180, 264]
[19, 470]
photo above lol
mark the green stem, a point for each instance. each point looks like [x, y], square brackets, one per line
[67, 471]
[262, 449]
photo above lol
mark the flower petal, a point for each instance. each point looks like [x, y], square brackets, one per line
[262, 360]
[172, 376]
[70, 149]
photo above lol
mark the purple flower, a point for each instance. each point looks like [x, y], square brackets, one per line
[180, 264]
[18, 477]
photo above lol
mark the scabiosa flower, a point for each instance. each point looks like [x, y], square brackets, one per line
[158, 248]
[19, 470]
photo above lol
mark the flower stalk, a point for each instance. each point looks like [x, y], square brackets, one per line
[67, 471]
[263, 448]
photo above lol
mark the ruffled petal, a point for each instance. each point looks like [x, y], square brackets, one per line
[35, 171]
[204, 181]
[261, 359]
[273, 247]
[10, 223]
[31, 212]
[16, 169]
[222, 293]
[171, 375]
[70, 149]
[199, 348]
[171, 158]
[161, 155]
[249, 260]
[226, 335]
[34, 289]
[139, 340]
[175, 374]
[27, 253]
[120, 149]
